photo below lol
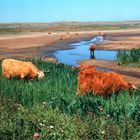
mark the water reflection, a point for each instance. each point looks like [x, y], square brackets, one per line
[92, 55]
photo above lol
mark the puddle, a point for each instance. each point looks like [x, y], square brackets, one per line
[80, 51]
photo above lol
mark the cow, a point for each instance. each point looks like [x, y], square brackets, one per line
[75, 33]
[104, 34]
[68, 33]
[100, 83]
[92, 48]
[63, 36]
[20, 69]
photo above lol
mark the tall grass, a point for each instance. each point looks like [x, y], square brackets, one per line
[131, 56]
[33, 106]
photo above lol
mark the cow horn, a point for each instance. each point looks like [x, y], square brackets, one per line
[134, 87]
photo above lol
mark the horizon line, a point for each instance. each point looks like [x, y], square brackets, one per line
[68, 21]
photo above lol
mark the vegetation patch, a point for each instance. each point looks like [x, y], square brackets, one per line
[51, 108]
[130, 58]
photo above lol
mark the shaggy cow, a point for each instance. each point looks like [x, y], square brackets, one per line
[101, 83]
[20, 69]
[92, 48]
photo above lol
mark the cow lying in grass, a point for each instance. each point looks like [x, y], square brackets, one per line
[101, 83]
[20, 69]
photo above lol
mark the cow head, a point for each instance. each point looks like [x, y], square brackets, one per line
[92, 47]
[131, 86]
[40, 75]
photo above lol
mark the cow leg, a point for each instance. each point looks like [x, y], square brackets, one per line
[22, 76]
[92, 56]
[7, 75]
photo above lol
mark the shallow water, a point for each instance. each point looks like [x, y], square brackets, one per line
[80, 51]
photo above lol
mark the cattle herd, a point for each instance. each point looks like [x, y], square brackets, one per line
[89, 80]
[67, 35]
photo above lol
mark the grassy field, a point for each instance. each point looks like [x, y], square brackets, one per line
[129, 58]
[20, 28]
[51, 108]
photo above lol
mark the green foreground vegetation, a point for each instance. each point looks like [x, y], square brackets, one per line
[129, 58]
[20, 28]
[51, 108]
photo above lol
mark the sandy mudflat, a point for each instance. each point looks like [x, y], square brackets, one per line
[28, 45]
[40, 44]
[33, 45]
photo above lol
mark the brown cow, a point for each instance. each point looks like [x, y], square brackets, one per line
[92, 48]
[68, 33]
[61, 37]
[75, 33]
[104, 34]
[20, 69]
[101, 83]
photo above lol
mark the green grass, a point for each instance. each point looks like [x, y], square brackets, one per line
[51, 108]
[129, 58]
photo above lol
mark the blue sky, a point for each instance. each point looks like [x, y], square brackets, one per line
[68, 10]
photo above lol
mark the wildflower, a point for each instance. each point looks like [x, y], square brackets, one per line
[90, 114]
[108, 116]
[19, 108]
[36, 135]
[51, 127]
[54, 134]
[57, 108]
[44, 121]
[44, 104]
[101, 108]
[103, 132]
[41, 124]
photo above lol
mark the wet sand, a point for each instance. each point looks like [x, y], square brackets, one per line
[40, 44]
[34, 45]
